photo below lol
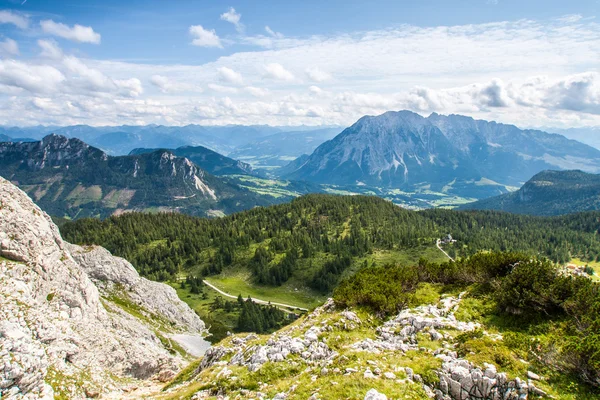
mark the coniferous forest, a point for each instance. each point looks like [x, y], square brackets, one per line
[325, 233]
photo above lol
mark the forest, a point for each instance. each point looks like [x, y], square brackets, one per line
[324, 234]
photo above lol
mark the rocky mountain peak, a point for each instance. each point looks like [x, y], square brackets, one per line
[449, 154]
[67, 310]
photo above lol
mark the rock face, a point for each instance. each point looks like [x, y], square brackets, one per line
[57, 328]
[210, 161]
[111, 274]
[459, 379]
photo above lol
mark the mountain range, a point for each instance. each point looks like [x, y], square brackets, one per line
[548, 193]
[210, 161]
[589, 135]
[451, 154]
[404, 157]
[120, 140]
[69, 178]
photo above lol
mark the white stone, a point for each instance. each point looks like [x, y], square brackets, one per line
[375, 395]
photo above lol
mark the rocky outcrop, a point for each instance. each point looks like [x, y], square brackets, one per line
[277, 349]
[56, 328]
[113, 274]
[400, 333]
[459, 379]
[249, 352]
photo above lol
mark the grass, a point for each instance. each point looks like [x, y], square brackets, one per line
[239, 281]
[509, 352]
[217, 321]
[271, 187]
[594, 264]
[513, 353]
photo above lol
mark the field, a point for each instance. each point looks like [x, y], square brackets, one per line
[239, 281]
[594, 264]
[423, 198]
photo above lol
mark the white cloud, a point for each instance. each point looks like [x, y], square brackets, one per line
[256, 91]
[131, 87]
[271, 32]
[222, 89]
[18, 20]
[50, 49]
[168, 85]
[9, 47]
[317, 75]
[33, 78]
[258, 40]
[230, 76]
[315, 90]
[484, 75]
[203, 37]
[233, 17]
[278, 72]
[77, 33]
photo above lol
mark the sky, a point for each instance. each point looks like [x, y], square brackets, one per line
[104, 62]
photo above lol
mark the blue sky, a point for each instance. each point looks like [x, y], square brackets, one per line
[534, 63]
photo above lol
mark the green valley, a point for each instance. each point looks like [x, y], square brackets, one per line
[297, 253]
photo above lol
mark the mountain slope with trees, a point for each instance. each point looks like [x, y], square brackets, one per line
[69, 178]
[210, 161]
[548, 193]
[311, 239]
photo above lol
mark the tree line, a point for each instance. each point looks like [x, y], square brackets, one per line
[272, 242]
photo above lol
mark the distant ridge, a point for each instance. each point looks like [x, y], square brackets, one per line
[454, 154]
[548, 193]
[69, 178]
[208, 160]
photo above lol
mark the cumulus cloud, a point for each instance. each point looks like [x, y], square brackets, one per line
[278, 72]
[168, 85]
[222, 89]
[32, 78]
[49, 49]
[77, 33]
[90, 79]
[130, 87]
[230, 76]
[69, 75]
[579, 93]
[494, 94]
[233, 17]
[203, 37]
[485, 76]
[315, 90]
[9, 47]
[317, 75]
[10, 17]
[256, 91]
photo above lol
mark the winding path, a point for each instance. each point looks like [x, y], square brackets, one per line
[437, 243]
[210, 285]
